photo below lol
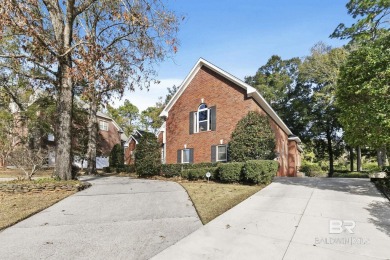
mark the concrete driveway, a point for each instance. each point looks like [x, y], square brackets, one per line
[290, 219]
[117, 218]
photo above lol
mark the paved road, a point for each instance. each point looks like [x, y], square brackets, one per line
[117, 218]
[290, 219]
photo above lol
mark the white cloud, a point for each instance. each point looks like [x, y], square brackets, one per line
[143, 98]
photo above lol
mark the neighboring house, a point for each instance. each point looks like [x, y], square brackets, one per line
[130, 146]
[201, 116]
[110, 134]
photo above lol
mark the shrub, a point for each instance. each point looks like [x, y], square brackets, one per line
[120, 169]
[188, 166]
[107, 169]
[184, 174]
[371, 167]
[252, 139]
[386, 169]
[200, 173]
[75, 171]
[312, 169]
[129, 168]
[260, 171]
[230, 172]
[147, 156]
[171, 170]
[116, 156]
[350, 175]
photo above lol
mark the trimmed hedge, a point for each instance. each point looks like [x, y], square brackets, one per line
[147, 156]
[260, 171]
[253, 171]
[200, 173]
[230, 172]
[171, 170]
[311, 169]
[116, 158]
[187, 166]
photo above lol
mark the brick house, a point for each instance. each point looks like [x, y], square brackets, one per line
[109, 134]
[202, 115]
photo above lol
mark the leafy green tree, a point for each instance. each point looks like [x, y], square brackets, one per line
[150, 118]
[125, 115]
[373, 20]
[252, 139]
[277, 81]
[147, 156]
[319, 72]
[363, 94]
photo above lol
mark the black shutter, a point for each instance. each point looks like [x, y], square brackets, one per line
[213, 118]
[178, 156]
[191, 155]
[213, 153]
[192, 122]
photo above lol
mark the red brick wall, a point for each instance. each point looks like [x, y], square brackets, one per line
[231, 105]
[128, 152]
[293, 158]
[107, 139]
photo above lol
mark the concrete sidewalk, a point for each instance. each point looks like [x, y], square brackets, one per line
[290, 219]
[117, 218]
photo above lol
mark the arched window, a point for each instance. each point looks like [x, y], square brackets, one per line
[203, 118]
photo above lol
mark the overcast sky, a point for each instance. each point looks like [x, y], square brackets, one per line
[239, 38]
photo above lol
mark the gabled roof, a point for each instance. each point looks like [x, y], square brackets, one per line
[137, 134]
[250, 91]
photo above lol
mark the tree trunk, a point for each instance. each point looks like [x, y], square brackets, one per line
[358, 159]
[92, 136]
[351, 158]
[330, 152]
[64, 140]
[381, 156]
[64, 35]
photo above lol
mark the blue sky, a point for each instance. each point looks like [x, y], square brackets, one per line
[240, 36]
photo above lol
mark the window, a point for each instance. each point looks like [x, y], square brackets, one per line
[185, 155]
[185, 158]
[103, 125]
[203, 118]
[219, 153]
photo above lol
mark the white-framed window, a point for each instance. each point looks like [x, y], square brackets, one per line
[185, 156]
[103, 125]
[202, 119]
[221, 153]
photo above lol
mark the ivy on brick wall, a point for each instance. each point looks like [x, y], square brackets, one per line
[253, 139]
